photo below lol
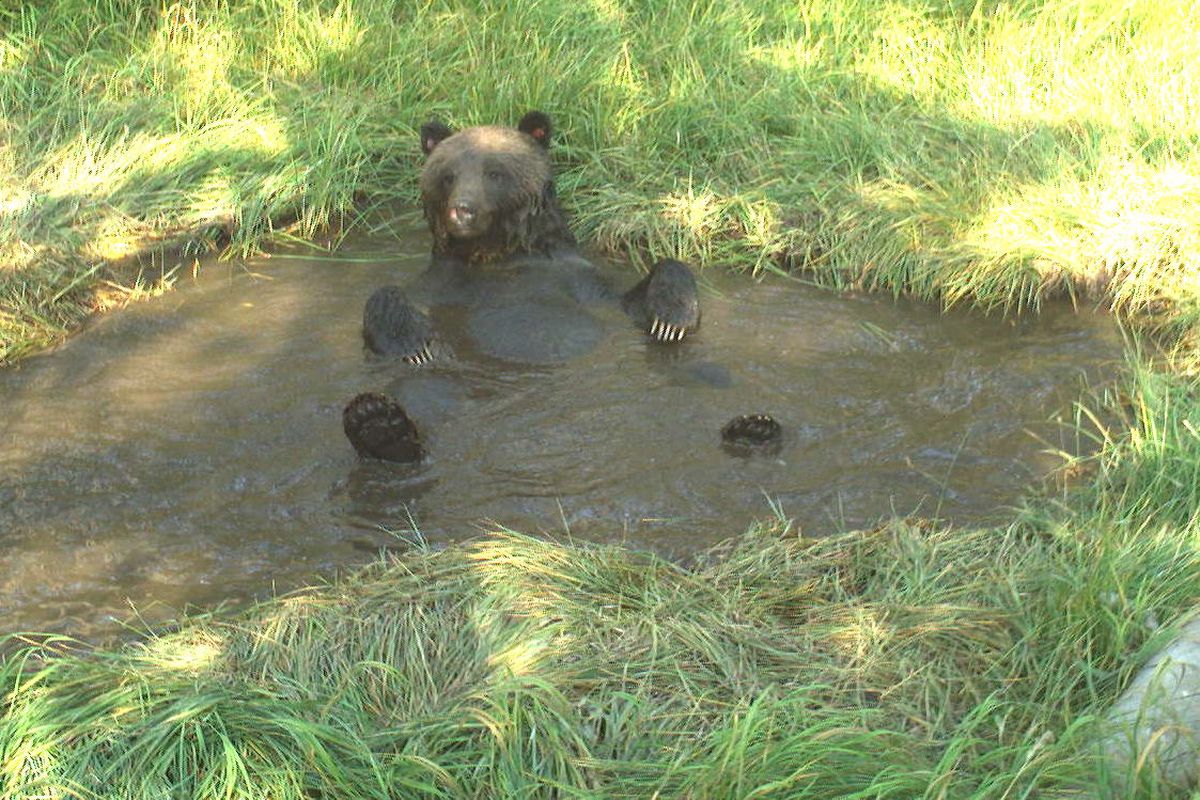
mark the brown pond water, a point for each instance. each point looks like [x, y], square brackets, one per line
[189, 449]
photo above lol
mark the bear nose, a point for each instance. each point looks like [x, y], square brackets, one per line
[462, 212]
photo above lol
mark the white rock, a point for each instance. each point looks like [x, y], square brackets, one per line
[1155, 724]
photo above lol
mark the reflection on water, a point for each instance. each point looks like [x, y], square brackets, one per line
[189, 449]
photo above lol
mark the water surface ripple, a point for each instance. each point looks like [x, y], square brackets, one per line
[189, 449]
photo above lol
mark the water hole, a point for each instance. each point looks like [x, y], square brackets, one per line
[188, 450]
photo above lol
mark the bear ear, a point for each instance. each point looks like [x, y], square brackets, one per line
[537, 125]
[432, 133]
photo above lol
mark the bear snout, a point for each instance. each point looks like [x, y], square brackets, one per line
[461, 213]
[465, 220]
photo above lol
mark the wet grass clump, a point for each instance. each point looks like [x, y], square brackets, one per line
[973, 152]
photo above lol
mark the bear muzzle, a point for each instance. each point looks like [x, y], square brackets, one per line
[463, 221]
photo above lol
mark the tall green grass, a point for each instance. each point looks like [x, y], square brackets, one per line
[989, 153]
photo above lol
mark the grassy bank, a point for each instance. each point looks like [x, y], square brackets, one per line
[902, 662]
[982, 153]
[976, 152]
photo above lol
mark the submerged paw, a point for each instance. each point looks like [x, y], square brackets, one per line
[378, 427]
[393, 326]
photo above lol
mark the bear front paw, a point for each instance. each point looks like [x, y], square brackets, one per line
[378, 427]
[392, 326]
[672, 302]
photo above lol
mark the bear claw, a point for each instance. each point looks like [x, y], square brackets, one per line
[665, 302]
[671, 301]
[393, 326]
[665, 332]
[422, 356]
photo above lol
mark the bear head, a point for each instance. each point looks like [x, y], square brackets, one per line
[488, 191]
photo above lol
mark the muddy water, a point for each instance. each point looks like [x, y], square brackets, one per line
[189, 449]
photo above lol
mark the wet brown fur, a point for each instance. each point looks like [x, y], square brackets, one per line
[506, 175]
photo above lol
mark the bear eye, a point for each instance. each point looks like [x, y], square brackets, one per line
[495, 175]
[447, 178]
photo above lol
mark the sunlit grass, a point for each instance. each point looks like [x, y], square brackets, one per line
[976, 153]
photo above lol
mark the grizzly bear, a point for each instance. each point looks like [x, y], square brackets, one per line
[504, 257]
